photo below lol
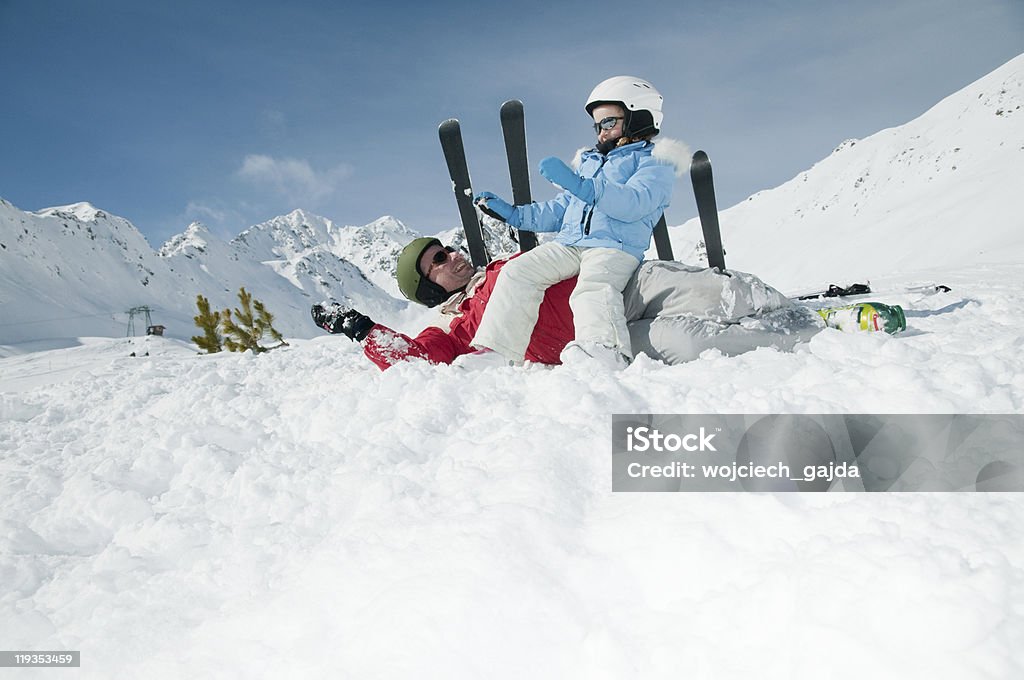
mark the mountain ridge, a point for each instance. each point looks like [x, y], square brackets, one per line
[75, 270]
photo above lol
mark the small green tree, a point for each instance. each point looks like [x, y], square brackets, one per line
[208, 322]
[266, 319]
[245, 331]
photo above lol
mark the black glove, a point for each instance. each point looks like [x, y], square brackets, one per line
[334, 318]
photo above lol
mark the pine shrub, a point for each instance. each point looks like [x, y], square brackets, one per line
[251, 323]
[208, 322]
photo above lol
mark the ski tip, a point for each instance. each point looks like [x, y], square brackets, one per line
[450, 124]
[512, 110]
[700, 169]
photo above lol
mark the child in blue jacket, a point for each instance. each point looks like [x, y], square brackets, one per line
[604, 219]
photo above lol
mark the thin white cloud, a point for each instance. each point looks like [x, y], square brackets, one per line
[293, 178]
[220, 218]
[201, 211]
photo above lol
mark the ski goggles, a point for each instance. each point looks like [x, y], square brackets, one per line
[607, 123]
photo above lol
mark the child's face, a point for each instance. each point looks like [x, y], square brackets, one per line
[606, 111]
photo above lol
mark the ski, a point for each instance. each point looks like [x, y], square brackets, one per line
[513, 128]
[930, 289]
[455, 156]
[707, 209]
[661, 240]
[835, 290]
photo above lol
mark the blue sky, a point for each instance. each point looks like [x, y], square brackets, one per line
[234, 112]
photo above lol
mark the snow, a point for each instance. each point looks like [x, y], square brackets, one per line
[935, 192]
[302, 514]
[176, 515]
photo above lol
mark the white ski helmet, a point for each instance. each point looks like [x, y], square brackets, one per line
[634, 95]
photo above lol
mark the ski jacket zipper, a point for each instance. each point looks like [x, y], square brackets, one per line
[588, 216]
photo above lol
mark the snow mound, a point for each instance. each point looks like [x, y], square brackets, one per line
[252, 510]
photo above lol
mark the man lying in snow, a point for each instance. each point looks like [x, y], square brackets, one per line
[675, 312]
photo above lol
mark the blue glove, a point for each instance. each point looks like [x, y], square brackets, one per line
[491, 205]
[557, 172]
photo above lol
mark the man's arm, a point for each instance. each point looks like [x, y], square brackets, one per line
[386, 347]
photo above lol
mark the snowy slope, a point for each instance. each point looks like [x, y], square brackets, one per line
[941, 191]
[65, 272]
[232, 516]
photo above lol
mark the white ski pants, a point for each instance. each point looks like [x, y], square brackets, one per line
[596, 302]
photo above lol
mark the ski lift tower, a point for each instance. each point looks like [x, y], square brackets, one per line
[138, 311]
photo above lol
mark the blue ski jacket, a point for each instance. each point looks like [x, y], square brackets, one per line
[631, 191]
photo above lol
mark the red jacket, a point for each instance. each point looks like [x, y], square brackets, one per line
[554, 329]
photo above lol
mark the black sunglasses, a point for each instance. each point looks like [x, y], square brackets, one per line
[439, 258]
[607, 123]
[442, 255]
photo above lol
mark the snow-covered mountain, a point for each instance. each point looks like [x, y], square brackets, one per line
[298, 241]
[67, 271]
[75, 270]
[942, 190]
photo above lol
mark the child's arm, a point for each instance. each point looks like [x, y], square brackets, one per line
[647, 191]
[546, 216]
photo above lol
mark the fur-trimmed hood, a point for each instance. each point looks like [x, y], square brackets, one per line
[669, 151]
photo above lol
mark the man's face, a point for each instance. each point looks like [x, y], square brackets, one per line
[451, 273]
[609, 111]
